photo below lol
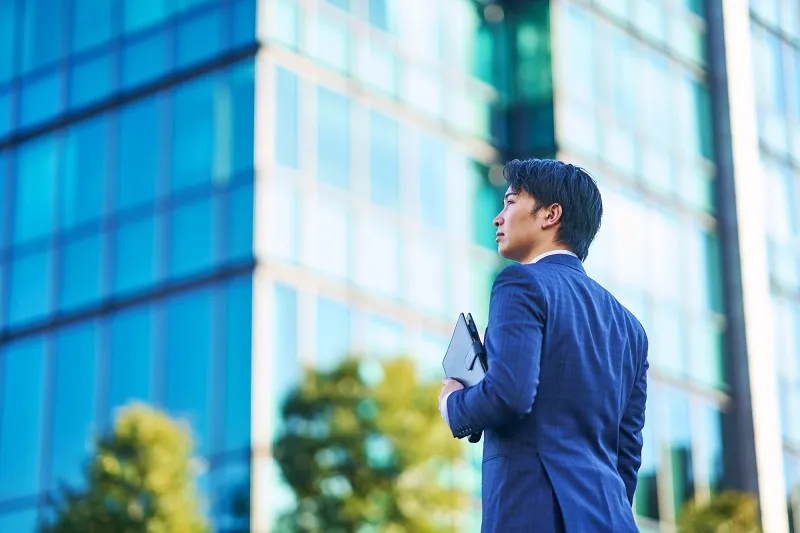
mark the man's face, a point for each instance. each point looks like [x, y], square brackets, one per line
[519, 233]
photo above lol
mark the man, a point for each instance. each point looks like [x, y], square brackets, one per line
[562, 404]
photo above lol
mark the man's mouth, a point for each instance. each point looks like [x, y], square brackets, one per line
[498, 236]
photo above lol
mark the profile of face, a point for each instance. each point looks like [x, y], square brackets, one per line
[523, 232]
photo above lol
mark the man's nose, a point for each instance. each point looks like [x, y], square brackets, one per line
[498, 220]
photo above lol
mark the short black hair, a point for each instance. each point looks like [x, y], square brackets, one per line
[554, 182]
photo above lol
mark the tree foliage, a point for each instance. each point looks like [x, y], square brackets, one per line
[139, 481]
[365, 449]
[729, 512]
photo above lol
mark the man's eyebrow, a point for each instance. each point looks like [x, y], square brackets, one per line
[509, 194]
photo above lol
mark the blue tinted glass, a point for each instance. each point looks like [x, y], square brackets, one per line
[239, 137]
[285, 373]
[333, 142]
[136, 256]
[193, 238]
[339, 3]
[143, 13]
[80, 272]
[199, 38]
[193, 133]
[40, 99]
[8, 17]
[240, 232]
[41, 33]
[333, 332]
[144, 60]
[244, 22]
[384, 160]
[286, 118]
[432, 181]
[20, 521]
[82, 190]
[35, 189]
[5, 210]
[138, 154]
[237, 364]
[231, 492]
[90, 80]
[378, 14]
[73, 402]
[20, 440]
[188, 361]
[185, 5]
[91, 23]
[29, 293]
[130, 362]
[384, 336]
[5, 113]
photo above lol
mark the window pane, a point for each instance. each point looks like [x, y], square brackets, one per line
[284, 27]
[333, 42]
[193, 238]
[198, 38]
[136, 257]
[378, 261]
[143, 13]
[710, 444]
[131, 352]
[144, 60]
[90, 80]
[188, 361]
[680, 450]
[91, 23]
[286, 118]
[82, 191]
[8, 17]
[238, 314]
[81, 272]
[186, 5]
[432, 181]
[20, 440]
[41, 32]
[333, 141]
[35, 195]
[384, 337]
[73, 403]
[244, 23]
[333, 333]
[193, 135]
[240, 230]
[384, 160]
[5, 112]
[30, 287]
[138, 154]
[646, 497]
[326, 238]
[21, 521]
[40, 99]
[238, 138]
[286, 371]
[379, 14]
[5, 210]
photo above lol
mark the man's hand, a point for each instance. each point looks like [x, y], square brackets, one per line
[449, 385]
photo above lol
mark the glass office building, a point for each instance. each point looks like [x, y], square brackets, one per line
[197, 197]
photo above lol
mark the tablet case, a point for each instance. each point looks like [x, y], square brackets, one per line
[465, 359]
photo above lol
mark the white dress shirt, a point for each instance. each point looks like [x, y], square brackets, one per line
[443, 403]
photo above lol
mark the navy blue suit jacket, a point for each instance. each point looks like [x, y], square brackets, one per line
[561, 406]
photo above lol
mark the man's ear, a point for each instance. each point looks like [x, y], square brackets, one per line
[552, 216]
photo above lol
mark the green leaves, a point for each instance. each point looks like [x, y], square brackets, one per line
[729, 512]
[139, 481]
[365, 449]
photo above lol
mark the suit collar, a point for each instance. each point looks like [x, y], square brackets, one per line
[561, 258]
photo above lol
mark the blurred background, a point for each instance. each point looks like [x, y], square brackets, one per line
[235, 236]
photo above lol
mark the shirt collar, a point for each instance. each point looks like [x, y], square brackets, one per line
[552, 252]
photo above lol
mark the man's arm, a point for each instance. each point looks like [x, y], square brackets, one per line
[629, 456]
[513, 351]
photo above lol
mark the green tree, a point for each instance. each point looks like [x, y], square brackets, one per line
[728, 512]
[139, 481]
[365, 449]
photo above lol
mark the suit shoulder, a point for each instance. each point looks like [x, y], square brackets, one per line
[516, 276]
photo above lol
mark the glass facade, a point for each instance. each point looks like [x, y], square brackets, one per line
[173, 172]
[126, 235]
[775, 40]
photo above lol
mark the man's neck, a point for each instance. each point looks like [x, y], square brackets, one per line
[550, 250]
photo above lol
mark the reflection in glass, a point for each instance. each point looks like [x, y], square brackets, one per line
[286, 118]
[240, 229]
[29, 291]
[136, 257]
[81, 272]
[40, 99]
[90, 80]
[193, 237]
[384, 160]
[198, 38]
[131, 349]
[193, 148]
[286, 371]
[137, 172]
[35, 189]
[83, 184]
[680, 445]
[8, 38]
[73, 403]
[333, 138]
[646, 496]
[238, 316]
[188, 363]
[22, 397]
[41, 32]
[21, 521]
[432, 181]
[384, 337]
[92, 23]
[333, 333]
[140, 14]
[144, 59]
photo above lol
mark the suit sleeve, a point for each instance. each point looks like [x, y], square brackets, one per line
[629, 457]
[513, 350]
